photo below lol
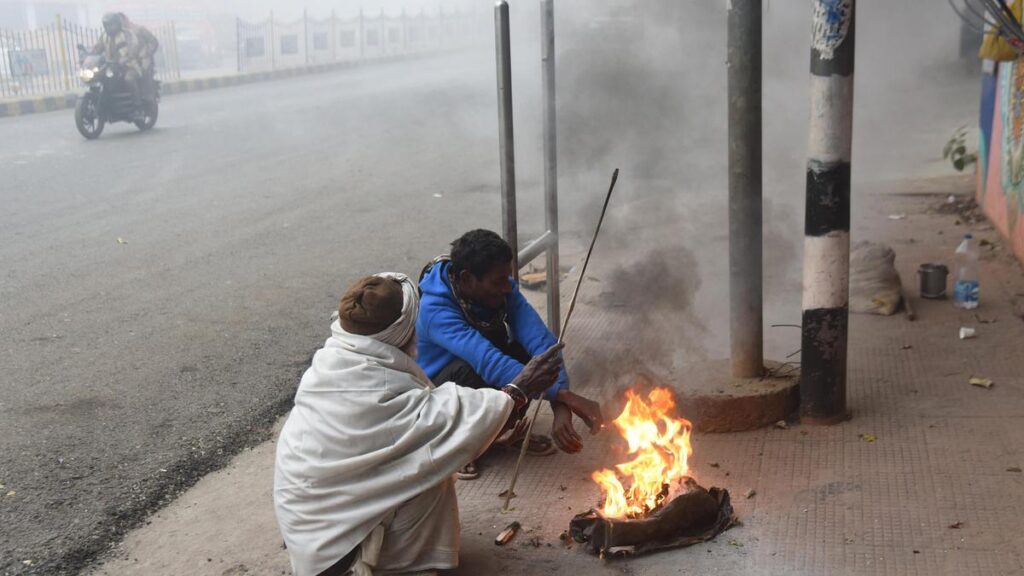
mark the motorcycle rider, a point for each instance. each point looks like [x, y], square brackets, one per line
[121, 46]
[148, 46]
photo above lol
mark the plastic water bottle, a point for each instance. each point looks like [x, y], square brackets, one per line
[965, 287]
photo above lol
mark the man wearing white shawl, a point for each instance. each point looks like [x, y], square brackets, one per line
[363, 477]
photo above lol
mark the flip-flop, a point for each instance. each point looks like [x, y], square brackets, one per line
[468, 472]
[540, 445]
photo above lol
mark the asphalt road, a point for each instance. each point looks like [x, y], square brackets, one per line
[161, 293]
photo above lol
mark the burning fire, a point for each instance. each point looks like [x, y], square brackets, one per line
[661, 443]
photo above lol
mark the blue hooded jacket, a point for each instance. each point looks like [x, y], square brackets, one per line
[444, 333]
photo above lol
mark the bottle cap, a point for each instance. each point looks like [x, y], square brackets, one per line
[968, 236]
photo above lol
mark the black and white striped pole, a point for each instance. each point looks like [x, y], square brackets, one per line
[827, 220]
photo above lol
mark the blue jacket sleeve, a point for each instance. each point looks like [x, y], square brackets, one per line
[448, 329]
[530, 331]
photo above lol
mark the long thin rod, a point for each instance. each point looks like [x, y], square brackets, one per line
[561, 338]
[593, 240]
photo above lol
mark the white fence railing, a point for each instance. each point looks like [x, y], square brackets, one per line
[272, 44]
[45, 60]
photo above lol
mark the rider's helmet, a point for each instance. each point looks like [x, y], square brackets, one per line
[112, 23]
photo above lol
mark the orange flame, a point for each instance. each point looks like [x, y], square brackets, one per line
[661, 443]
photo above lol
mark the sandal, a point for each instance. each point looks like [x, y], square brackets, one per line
[468, 472]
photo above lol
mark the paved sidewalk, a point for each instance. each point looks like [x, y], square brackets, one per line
[938, 491]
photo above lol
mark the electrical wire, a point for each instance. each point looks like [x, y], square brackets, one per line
[997, 17]
[979, 13]
[1004, 15]
[963, 17]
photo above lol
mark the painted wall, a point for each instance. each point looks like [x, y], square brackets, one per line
[1001, 151]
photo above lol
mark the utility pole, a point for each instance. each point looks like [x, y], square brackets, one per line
[746, 318]
[827, 217]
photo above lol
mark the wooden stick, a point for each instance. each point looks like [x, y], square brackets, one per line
[586, 261]
[561, 338]
[519, 461]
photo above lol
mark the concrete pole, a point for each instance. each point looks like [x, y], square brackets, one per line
[745, 215]
[827, 217]
[547, 55]
[505, 137]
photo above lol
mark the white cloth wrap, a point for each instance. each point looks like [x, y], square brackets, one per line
[401, 330]
[368, 433]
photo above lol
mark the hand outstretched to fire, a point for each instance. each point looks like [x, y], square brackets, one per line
[564, 433]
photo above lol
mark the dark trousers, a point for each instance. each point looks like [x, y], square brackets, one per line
[460, 372]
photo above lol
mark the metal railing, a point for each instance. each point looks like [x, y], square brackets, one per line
[273, 44]
[44, 60]
[546, 243]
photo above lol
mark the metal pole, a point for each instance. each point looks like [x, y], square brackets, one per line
[505, 136]
[67, 72]
[827, 216]
[273, 45]
[547, 56]
[745, 221]
[238, 43]
[405, 33]
[175, 53]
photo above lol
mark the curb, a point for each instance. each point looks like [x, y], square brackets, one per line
[38, 104]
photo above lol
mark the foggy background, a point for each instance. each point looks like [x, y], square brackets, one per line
[642, 87]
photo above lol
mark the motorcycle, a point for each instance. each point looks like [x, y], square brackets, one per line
[109, 99]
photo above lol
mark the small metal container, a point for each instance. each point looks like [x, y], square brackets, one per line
[933, 280]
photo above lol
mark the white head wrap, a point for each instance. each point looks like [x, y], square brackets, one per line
[401, 330]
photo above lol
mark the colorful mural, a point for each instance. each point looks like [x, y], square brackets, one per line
[1001, 151]
[1011, 99]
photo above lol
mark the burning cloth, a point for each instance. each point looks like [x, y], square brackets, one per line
[662, 507]
[695, 516]
[365, 459]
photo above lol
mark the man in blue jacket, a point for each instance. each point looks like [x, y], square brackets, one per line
[476, 329]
